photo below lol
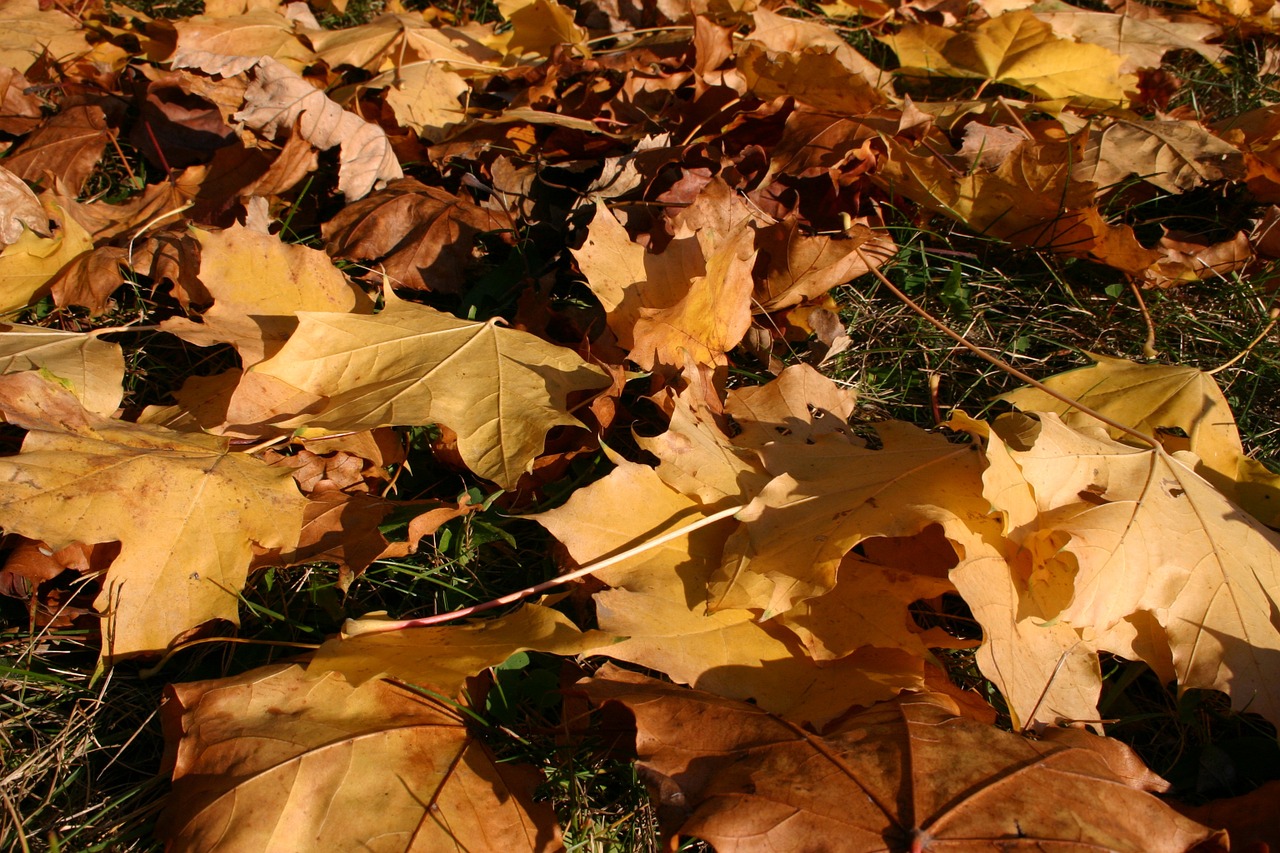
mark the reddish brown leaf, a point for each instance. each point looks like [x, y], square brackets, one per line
[90, 279]
[903, 775]
[1249, 819]
[19, 108]
[422, 237]
[68, 146]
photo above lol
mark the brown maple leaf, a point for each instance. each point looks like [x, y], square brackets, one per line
[421, 237]
[907, 775]
[379, 766]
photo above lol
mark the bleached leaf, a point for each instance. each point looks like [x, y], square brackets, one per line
[19, 209]
[1149, 535]
[278, 100]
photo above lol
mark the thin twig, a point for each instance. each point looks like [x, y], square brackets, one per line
[512, 598]
[1004, 365]
[152, 670]
[1275, 317]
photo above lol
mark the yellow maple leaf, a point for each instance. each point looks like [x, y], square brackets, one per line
[186, 511]
[1018, 50]
[499, 389]
[255, 319]
[29, 263]
[1149, 536]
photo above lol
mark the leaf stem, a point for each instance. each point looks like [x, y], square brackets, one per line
[1271, 324]
[352, 629]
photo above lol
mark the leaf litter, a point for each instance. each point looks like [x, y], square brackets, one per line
[539, 241]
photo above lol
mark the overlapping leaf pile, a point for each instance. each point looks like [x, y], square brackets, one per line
[689, 195]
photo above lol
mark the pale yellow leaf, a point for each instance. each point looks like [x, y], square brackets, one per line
[1017, 50]
[426, 98]
[659, 602]
[499, 389]
[1148, 534]
[829, 494]
[241, 41]
[443, 658]
[234, 264]
[29, 263]
[90, 368]
[185, 510]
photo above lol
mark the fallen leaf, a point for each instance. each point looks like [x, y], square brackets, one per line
[782, 35]
[38, 575]
[794, 267]
[1030, 198]
[240, 42]
[869, 604]
[1248, 819]
[67, 146]
[278, 101]
[29, 32]
[1172, 155]
[694, 295]
[420, 237]
[91, 369]
[799, 405]
[659, 601]
[986, 147]
[257, 320]
[828, 494]
[1046, 672]
[696, 458]
[22, 210]
[1149, 535]
[906, 774]
[1017, 50]
[709, 319]
[411, 365]
[538, 26]
[28, 264]
[1185, 261]
[1160, 400]
[185, 510]
[20, 111]
[426, 98]
[375, 767]
[445, 657]
[1141, 35]
[400, 41]
[814, 76]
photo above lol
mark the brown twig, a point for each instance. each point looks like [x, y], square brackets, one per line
[512, 598]
[1004, 365]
